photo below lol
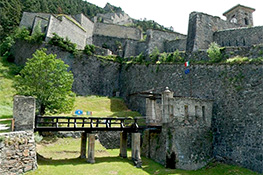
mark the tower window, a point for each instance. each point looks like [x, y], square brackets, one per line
[246, 21]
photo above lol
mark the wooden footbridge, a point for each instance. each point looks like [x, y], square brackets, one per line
[90, 125]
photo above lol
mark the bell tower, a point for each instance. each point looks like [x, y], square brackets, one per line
[241, 15]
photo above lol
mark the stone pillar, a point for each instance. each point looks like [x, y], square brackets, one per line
[123, 144]
[136, 149]
[91, 149]
[83, 148]
[24, 113]
[166, 95]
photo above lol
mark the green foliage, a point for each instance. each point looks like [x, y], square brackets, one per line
[89, 49]
[154, 56]
[145, 24]
[47, 79]
[5, 46]
[243, 60]
[65, 44]
[214, 53]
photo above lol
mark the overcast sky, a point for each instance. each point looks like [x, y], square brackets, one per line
[175, 13]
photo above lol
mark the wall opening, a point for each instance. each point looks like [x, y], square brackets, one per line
[203, 113]
[196, 111]
[186, 113]
[246, 21]
[171, 161]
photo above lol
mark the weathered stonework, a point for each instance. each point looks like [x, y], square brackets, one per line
[17, 152]
[186, 136]
[24, 113]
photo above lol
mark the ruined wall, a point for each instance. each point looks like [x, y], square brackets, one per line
[237, 112]
[17, 152]
[61, 27]
[246, 36]
[201, 28]
[156, 38]
[117, 31]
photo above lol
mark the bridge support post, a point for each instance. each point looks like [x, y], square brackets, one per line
[123, 144]
[83, 147]
[136, 149]
[91, 148]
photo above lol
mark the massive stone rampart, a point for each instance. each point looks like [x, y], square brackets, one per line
[74, 33]
[246, 36]
[156, 39]
[237, 91]
[117, 31]
[201, 28]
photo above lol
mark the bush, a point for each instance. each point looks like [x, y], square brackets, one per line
[65, 44]
[214, 53]
[89, 49]
[6, 45]
[155, 55]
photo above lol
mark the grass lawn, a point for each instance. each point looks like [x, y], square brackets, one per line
[61, 158]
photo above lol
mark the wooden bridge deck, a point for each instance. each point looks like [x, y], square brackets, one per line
[88, 124]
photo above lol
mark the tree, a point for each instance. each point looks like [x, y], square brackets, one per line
[47, 79]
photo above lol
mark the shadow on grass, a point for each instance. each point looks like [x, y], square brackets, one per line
[77, 161]
[149, 166]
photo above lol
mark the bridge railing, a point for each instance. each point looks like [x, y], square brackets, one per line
[99, 123]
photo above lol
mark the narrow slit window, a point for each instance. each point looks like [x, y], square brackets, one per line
[203, 113]
[186, 113]
[196, 111]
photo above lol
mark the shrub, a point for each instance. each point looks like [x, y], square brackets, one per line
[6, 45]
[65, 44]
[214, 53]
[155, 55]
[89, 49]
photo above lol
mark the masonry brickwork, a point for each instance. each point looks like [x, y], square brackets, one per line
[17, 152]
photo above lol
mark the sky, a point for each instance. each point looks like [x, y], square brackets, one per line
[175, 13]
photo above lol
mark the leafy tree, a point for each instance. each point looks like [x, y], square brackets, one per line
[47, 79]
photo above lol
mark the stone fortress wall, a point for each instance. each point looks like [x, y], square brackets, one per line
[236, 91]
[246, 36]
[201, 28]
[60, 26]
